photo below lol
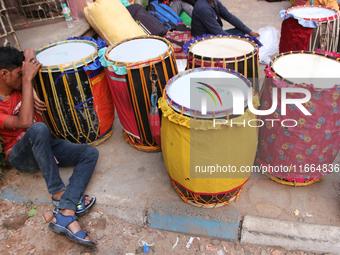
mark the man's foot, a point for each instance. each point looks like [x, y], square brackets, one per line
[74, 227]
[58, 195]
[84, 205]
[66, 223]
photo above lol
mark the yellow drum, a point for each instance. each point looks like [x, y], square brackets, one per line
[204, 154]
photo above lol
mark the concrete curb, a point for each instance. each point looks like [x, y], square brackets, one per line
[180, 217]
[291, 235]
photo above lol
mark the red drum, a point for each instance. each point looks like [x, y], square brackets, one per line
[301, 152]
[297, 35]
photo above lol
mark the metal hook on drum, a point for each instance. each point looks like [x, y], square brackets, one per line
[323, 42]
[154, 78]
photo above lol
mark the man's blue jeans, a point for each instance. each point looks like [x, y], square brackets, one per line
[37, 151]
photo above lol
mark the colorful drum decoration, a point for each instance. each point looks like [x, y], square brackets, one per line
[235, 53]
[77, 96]
[191, 140]
[133, 64]
[304, 151]
[325, 36]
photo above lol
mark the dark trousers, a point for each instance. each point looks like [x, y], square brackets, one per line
[37, 151]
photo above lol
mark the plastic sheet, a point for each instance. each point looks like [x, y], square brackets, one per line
[270, 41]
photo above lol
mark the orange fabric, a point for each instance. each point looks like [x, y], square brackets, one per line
[328, 3]
[103, 102]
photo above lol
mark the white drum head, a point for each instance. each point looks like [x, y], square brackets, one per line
[222, 48]
[312, 12]
[138, 50]
[310, 69]
[65, 53]
[189, 95]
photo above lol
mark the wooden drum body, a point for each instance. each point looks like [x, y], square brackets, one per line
[191, 143]
[235, 53]
[326, 35]
[133, 64]
[307, 148]
[77, 96]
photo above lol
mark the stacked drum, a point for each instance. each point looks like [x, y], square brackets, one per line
[203, 159]
[235, 53]
[310, 28]
[301, 153]
[131, 73]
[204, 152]
[77, 96]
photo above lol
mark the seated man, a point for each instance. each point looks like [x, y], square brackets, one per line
[28, 146]
[206, 19]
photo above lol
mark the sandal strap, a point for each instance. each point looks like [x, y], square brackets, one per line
[81, 234]
[81, 203]
[55, 202]
[64, 221]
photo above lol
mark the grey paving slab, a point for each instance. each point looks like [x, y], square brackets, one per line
[291, 236]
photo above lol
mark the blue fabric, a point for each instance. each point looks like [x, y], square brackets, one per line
[37, 151]
[125, 3]
[154, 100]
[65, 220]
[94, 66]
[81, 234]
[165, 13]
[206, 19]
[95, 72]
[302, 22]
[101, 43]
[187, 44]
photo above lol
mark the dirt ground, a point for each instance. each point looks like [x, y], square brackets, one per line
[20, 234]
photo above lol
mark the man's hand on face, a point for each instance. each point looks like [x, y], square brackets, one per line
[254, 34]
[29, 55]
[30, 69]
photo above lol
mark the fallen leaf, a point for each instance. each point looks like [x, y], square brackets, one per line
[32, 212]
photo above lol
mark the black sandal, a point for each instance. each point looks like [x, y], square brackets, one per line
[60, 227]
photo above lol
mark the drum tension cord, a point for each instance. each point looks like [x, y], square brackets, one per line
[154, 78]
[323, 42]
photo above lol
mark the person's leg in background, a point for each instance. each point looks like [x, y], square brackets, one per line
[178, 5]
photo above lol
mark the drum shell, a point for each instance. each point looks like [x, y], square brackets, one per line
[291, 39]
[138, 85]
[248, 64]
[136, 79]
[332, 39]
[187, 142]
[76, 125]
[313, 142]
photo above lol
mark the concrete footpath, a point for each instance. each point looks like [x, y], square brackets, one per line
[135, 186]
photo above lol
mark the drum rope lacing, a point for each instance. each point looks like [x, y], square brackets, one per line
[211, 61]
[139, 143]
[98, 139]
[210, 201]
